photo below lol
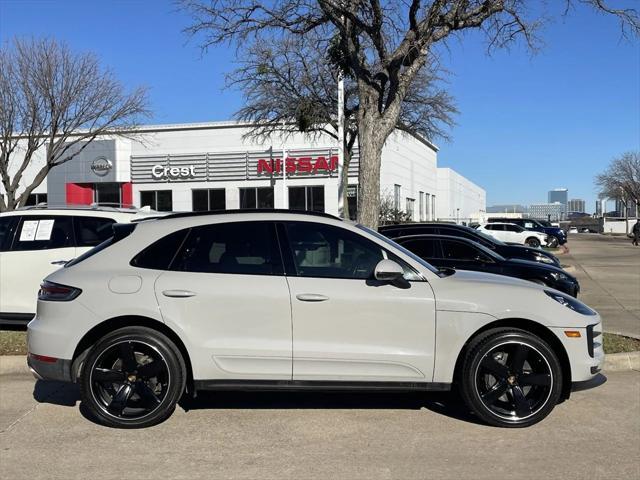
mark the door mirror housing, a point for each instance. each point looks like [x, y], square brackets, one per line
[388, 271]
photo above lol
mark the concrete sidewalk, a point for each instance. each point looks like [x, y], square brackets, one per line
[608, 270]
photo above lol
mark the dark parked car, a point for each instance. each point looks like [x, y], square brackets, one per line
[556, 235]
[443, 251]
[501, 248]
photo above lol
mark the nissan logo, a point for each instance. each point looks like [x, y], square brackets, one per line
[101, 166]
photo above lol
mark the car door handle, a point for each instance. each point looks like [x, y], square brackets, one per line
[60, 262]
[311, 297]
[178, 293]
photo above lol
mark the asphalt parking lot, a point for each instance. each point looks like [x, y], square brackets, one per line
[608, 269]
[596, 434]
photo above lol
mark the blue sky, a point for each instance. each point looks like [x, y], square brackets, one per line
[527, 124]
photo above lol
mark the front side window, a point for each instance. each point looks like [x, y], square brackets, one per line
[7, 229]
[43, 233]
[256, 197]
[453, 250]
[326, 251]
[91, 231]
[245, 248]
[159, 200]
[513, 228]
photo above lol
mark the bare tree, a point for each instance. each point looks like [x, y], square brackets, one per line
[382, 44]
[621, 179]
[290, 85]
[56, 100]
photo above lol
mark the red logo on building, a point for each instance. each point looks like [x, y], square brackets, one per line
[299, 164]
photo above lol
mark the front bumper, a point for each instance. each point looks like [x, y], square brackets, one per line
[586, 354]
[48, 368]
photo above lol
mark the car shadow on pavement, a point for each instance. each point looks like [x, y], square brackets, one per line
[57, 393]
[445, 403]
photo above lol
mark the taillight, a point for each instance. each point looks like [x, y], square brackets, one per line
[54, 292]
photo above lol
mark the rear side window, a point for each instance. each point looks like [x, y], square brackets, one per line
[243, 248]
[513, 228]
[7, 229]
[43, 233]
[459, 251]
[92, 231]
[158, 255]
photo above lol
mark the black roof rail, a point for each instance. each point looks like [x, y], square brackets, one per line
[248, 210]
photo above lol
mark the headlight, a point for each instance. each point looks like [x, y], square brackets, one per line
[570, 302]
[559, 276]
[544, 259]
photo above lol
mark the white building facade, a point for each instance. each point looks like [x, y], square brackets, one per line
[459, 199]
[213, 166]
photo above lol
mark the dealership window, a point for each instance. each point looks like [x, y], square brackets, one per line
[421, 206]
[352, 201]
[396, 197]
[160, 200]
[107, 193]
[36, 198]
[256, 197]
[307, 198]
[204, 199]
[410, 207]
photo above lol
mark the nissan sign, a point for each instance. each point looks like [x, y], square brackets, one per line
[101, 166]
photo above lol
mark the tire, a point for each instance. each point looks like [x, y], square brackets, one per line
[132, 378]
[532, 242]
[510, 378]
[553, 241]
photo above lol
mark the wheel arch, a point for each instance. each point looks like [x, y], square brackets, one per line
[97, 332]
[531, 327]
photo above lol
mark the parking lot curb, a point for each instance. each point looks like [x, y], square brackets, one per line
[614, 362]
[13, 364]
[618, 362]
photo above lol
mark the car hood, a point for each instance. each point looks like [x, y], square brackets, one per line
[503, 298]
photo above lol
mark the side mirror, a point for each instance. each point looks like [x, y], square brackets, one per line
[388, 271]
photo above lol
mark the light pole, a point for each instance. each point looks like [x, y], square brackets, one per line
[341, 185]
[285, 197]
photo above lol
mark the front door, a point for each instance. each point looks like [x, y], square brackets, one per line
[348, 326]
[227, 293]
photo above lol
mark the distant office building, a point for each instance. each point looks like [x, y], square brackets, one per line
[553, 212]
[560, 195]
[510, 208]
[576, 205]
[598, 208]
[632, 209]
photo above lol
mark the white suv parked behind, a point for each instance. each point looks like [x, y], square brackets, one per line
[37, 241]
[512, 233]
[272, 300]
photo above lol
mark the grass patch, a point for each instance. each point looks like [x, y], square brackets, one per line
[13, 343]
[618, 343]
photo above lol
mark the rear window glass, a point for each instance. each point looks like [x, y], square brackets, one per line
[158, 255]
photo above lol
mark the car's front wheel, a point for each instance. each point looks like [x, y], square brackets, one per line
[510, 378]
[553, 241]
[132, 378]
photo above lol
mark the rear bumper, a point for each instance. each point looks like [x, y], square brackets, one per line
[47, 368]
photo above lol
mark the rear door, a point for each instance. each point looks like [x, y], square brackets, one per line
[226, 291]
[41, 244]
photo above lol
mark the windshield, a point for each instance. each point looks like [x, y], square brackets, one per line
[393, 244]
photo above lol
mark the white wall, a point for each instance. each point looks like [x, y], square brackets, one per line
[37, 162]
[457, 192]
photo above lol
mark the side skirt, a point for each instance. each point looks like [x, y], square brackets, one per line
[319, 385]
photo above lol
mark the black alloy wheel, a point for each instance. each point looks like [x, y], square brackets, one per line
[511, 378]
[552, 241]
[533, 242]
[132, 378]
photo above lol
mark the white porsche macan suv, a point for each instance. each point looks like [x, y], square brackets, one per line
[267, 300]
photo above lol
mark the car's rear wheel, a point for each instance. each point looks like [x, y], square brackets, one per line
[533, 242]
[510, 378]
[132, 378]
[553, 241]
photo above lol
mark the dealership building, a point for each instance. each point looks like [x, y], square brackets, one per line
[193, 167]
